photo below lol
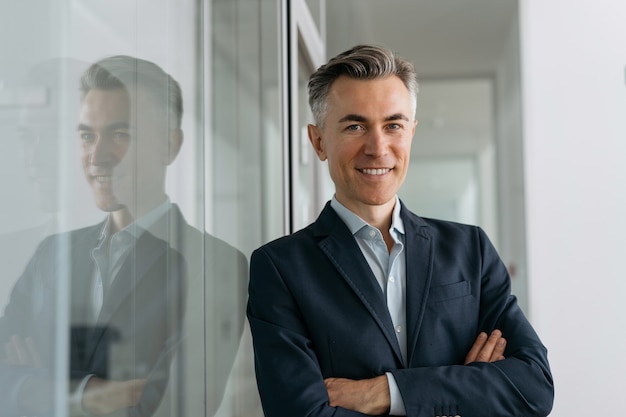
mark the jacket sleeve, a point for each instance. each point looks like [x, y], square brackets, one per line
[288, 373]
[519, 385]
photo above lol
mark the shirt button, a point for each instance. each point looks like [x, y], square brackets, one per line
[372, 233]
[392, 279]
[398, 329]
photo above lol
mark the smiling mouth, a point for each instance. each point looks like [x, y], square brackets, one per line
[375, 171]
[105, 179]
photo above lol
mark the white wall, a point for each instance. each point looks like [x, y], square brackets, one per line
[574, 105]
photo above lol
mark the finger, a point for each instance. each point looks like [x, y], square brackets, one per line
[476, 348]
[489, 347]
[498, 351]
[332, 390]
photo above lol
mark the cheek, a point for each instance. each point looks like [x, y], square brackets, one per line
[122, 150]
[84, 159]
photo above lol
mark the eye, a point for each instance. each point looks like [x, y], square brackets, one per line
[87, 136]
[395, 126]
[354, 128]
[121, 136]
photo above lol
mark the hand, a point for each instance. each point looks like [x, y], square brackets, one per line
[487, 349]
[104, 397]
[22, 351]
[367, 396]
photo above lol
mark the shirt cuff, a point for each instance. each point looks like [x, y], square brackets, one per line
[396, 408]
[76, 398]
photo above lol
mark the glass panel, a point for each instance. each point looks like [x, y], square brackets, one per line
[311, 190]
[316, 7]
[113, 297]
[246, 164]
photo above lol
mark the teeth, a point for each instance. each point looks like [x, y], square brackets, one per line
[103, 178]
[379, 171]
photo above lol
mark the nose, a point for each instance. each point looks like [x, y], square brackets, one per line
[376, 143]
[102, 152]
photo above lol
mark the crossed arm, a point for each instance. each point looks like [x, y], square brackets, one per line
[371, 396]
[99, 397]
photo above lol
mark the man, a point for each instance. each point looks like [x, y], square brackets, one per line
[150, 295]
[372, 310]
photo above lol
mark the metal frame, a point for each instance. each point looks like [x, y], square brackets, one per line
[299, 34]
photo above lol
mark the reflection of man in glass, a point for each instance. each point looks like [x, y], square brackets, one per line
[129, 280]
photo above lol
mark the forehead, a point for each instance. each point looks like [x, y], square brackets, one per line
[99, 104]
[378, 97]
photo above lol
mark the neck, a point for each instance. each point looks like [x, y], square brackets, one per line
[378, 216]
[120, 219]
[125, 216]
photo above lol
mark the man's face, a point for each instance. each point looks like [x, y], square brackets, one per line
[366, 138]
[122, 147]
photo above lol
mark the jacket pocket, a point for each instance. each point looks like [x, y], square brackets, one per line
[449, 292]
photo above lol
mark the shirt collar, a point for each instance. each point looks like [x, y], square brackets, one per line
[137, 227]
[355, 223]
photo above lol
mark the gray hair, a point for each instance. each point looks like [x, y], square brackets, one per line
[129, 73]
[362, 62]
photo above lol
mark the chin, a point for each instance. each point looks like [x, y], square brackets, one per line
[379, 201]
[109, 207]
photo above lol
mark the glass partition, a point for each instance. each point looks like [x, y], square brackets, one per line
[141, 163]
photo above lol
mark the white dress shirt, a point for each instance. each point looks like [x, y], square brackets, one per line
[389, 268]
[109, 256]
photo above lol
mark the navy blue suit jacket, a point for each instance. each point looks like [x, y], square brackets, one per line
[135, 334]
[175, 307]
[316, 311]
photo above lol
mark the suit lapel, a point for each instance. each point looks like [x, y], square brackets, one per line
[146, 251]
[82, 272]
[419, 261]
[343, 251]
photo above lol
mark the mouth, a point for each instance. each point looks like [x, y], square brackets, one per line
[375, 171]
[103, 179]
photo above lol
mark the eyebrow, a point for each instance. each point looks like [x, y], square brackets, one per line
[359, 118]
[114, 126]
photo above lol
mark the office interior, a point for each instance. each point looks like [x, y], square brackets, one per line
[522, 131]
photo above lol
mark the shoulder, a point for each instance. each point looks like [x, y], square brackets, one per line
[80, 237]
[445, 232]
[435, 226]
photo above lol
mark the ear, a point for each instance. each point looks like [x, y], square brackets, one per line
[174, 142]
[315, 137]
[414, 126]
